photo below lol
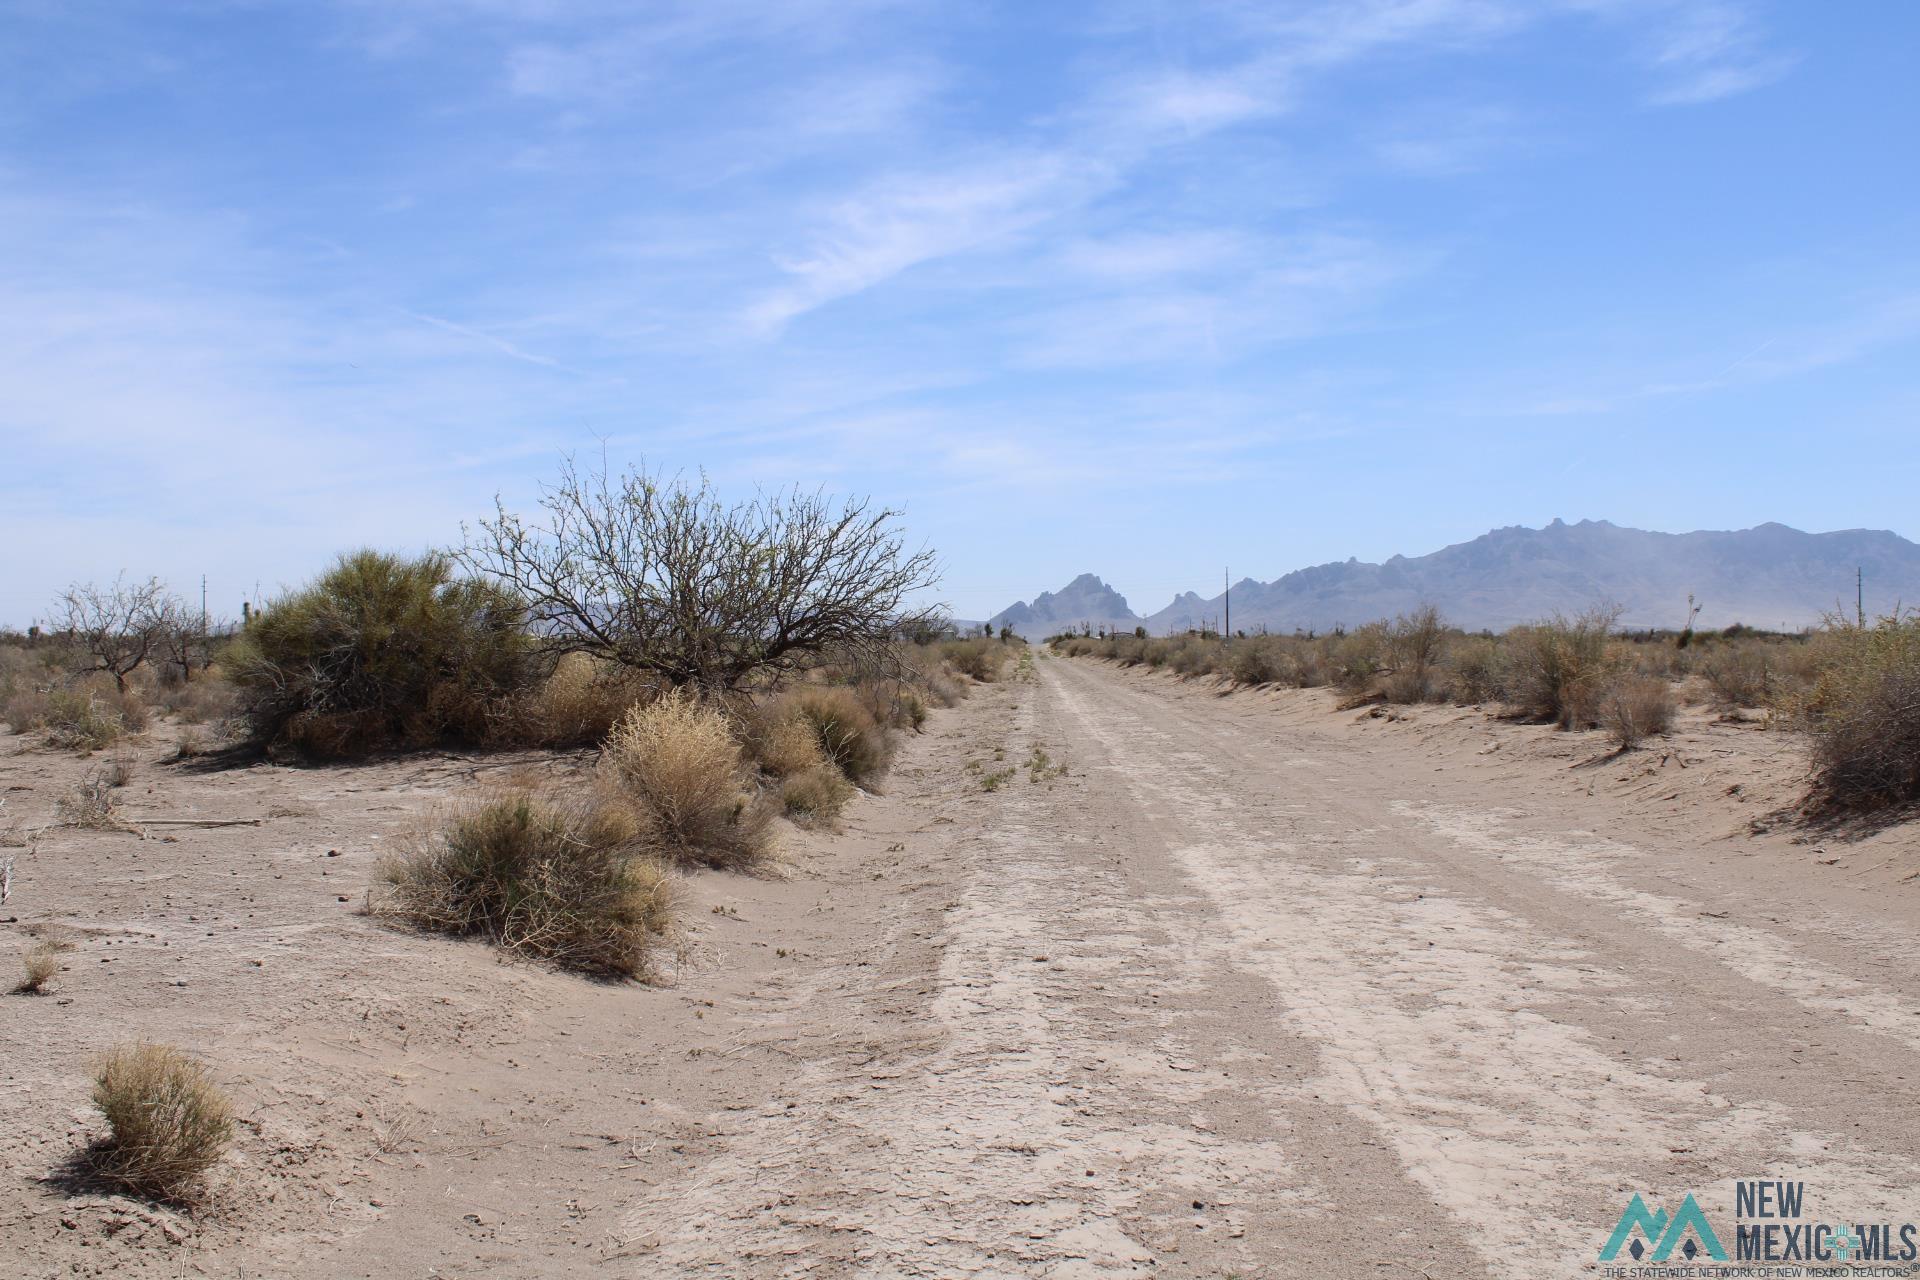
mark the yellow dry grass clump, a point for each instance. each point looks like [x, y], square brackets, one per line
[41, 963]
[675, 763]
[843, 728]
[167, 1121]
[816, 795]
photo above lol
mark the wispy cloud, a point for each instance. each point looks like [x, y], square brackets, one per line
[499, 344]
[903, 222]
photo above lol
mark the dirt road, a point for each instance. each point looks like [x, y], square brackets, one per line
[1120, 976]
[1234, 996]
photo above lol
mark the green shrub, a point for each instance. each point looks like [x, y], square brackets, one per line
[381, 651]
[568, 885]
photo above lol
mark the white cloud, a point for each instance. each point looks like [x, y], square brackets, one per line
[903, 222]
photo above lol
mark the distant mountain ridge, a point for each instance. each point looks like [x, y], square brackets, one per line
[1767, 576]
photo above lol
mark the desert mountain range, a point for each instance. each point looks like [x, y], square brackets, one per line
[1769, 576]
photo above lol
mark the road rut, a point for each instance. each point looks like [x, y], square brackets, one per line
[1229, 997]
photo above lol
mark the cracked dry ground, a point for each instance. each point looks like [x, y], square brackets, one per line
[1214, 987]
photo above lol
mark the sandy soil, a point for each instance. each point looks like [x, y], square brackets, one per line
[1253, 987]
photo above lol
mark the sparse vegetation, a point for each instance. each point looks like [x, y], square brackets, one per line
[845, 731]
[168, 1123]
[1555, 670]
[675, 763]
[578, 704]
[116, 629]
[1558, 669]
[817, 794]
[1635, 707]
[570, 885]
[978, 659]
[1041, 768]
[1863, 712]
[41, 963]
[667, 579]
[90, 803]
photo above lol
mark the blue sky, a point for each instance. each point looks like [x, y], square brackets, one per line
[1141, 289]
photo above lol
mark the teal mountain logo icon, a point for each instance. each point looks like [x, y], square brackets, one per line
[1686, 1231]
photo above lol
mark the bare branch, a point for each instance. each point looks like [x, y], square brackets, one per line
[668, 579]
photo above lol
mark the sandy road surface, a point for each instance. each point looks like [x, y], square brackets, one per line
[1252, 988]
[1238, 997]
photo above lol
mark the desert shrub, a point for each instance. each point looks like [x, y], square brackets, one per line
[578, 704]
[1255, 660]
[817, 794]
[942, 688]
[1863, 714]
[115, 630]
[570, 885]
[1738, 674]
[926, 670]
[1310, 667]
[1194, 656]
[1633, 707]
[1156, 652]
[676, 763]
[667, 579]
[382, 650]
[847, 734]
[25, 709]
[1359, 656]
[119, 771]
[1474, 670]
[981, 660]
[85, 716]
[778, 739]
[167, 1121]
[41, 964]
[89, 803]
[1557, 669]
[891, 703]
[1413, 643]
[1656, 655]
[1410, 686]
[209, 698]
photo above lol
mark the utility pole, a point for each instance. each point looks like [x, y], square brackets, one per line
[1226, 583]
[1860, 596]
[203, 604]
